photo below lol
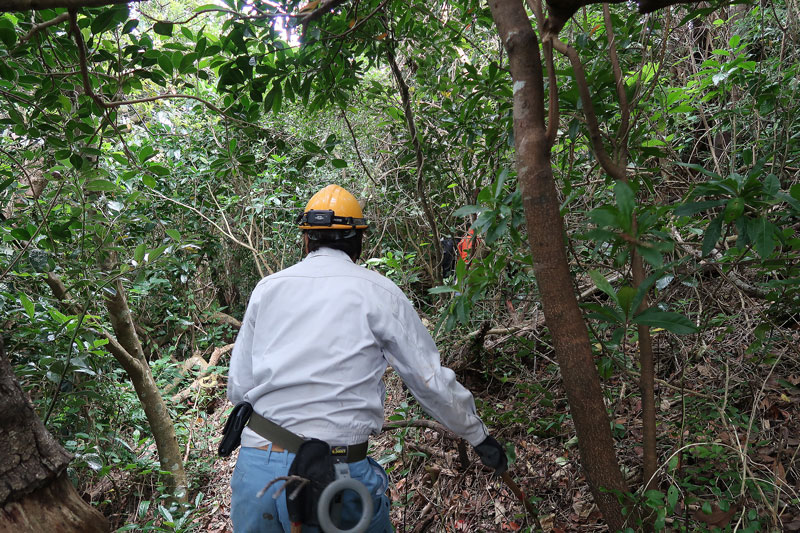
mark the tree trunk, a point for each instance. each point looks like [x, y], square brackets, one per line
[546, 237]
[127, 350]
[35, 493]
[155, 409]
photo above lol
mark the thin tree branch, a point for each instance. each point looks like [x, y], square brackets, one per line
[323, 7]
[235, 14]
[204, 217]
[562, 10]
[358, 151]
[624, 108]
[614, 170]
[44, 25]
[35, 5]
[104, 104]
[412, 132]
[125, 359]
[547, 48]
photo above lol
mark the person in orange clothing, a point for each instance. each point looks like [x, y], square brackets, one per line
[465, 245]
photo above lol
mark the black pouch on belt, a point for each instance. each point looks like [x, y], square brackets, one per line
[315, 463]
[232, 433]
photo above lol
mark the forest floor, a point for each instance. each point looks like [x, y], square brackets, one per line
[521, 400]
[425, 471]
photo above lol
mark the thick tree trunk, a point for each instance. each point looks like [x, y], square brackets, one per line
[35, 493]
[546, 237]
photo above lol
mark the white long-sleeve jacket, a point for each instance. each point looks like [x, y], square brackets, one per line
[315, 342]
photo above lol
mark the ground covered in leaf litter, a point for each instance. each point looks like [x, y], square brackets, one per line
[431, 490]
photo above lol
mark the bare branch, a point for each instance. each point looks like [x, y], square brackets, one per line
[358, 152]
[562, 10]
[323, 7]
[44, 25]
[547, 48]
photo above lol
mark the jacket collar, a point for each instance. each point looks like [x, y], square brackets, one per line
[328, 252]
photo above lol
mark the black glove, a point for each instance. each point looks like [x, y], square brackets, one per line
[492, 455]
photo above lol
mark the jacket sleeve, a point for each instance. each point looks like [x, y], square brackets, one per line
[240, 373]
[411, 351]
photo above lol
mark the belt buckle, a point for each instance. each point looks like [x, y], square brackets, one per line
[339, 452]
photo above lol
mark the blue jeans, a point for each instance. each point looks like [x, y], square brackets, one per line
[255, 468]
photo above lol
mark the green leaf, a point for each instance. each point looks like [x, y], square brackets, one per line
[691, 208]
[58, 316]
[672, 497]
[6, 72]
[771, 186]
[146, 153]
[655, 497]
[602, 283]
[27, 304]
[625, 204]
[101, 185]
[155, 253]
[625, 296]
[762, 232]
[734, 209]
[163, 28]
[461, 269]
[605, 216]
[311, 147]
[441, 289]
[712, 234]
[467, 210]
[110, 18]
[174, 234]
[674, 322]
[138, 253]
[7, 32]
[159, 170]
[338, 163]
[165, 62]
[130, 26]
[651, 254]
[6, 183]
[276, 102]
[149, 181]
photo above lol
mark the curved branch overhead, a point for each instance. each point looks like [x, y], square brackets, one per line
[35, 5]
[560, 11]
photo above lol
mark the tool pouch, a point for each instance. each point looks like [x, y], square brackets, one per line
[232, 433]
[315, 463]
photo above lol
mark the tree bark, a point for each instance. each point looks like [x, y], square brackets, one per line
[155, 409]
[545, 234]
[35, 493]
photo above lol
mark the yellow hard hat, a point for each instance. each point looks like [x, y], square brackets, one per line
[332, 208]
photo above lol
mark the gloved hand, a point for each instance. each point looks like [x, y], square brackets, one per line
[492, 455]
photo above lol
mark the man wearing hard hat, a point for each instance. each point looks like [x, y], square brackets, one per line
[306, 377]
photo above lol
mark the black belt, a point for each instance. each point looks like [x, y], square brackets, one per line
[291, 442]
